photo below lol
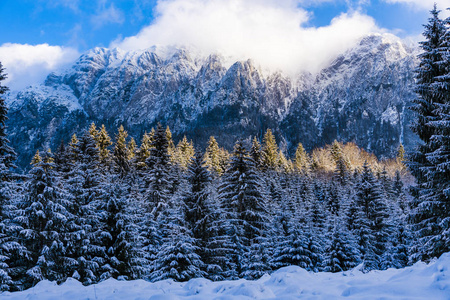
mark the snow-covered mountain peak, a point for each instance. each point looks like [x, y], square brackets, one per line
[202, 94]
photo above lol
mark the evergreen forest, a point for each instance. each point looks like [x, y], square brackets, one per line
[103, 206]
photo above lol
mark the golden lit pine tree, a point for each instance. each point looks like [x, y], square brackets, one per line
[269, 151]
[94, 132]
[144, 150]
[284, 164]
[212, 157]
[121, 152]
[36, 158]
[183, 153]
[49, 157]
[171, 145]
[301, 160]
[104, 141]
[401, 156]
[131, 149]
[73, 148]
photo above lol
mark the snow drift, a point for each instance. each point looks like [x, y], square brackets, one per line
[420, 281]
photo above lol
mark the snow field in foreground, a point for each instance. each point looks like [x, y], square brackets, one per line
[420, 281]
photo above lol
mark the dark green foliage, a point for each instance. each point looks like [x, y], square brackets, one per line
[429, 162]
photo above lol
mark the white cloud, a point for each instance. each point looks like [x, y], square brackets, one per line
[271, 32]
[426, 5]
[27, 64]
[110, 15]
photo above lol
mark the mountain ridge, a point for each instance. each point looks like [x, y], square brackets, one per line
[361, 97]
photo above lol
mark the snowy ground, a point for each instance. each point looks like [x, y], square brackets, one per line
[420, 281]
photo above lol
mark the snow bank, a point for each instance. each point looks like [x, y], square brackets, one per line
[420, 281]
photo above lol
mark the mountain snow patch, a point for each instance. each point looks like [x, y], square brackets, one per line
[390, 115]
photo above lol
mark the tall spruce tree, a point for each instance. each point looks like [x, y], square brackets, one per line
[245, 210]
[85, 187]
[269, 151]
[121, 152]
[44, 217]
[429, 162]
[11, 251]
[212, 157]
[7, 154]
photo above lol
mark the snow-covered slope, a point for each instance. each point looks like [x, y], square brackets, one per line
[420, 281]
[360, 97]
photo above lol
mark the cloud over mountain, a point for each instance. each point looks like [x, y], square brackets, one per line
[30, 64]
[273, 33]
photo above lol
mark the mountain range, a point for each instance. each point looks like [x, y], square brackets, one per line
[362, 96]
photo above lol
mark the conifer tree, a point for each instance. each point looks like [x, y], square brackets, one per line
[72, 149]
[158, 191]
[121, 152]
[269, 151]
[244, 207]
[183, 153]
[103, 142]
[131, 149]
[428, 163]
[255, 152]
[44, 221]
[7, 154]
[123, 260]
[301, 160]
[36, 158]
[177, 257]
[196, 199]
[95, 134]
[212, 157]
[373, 225]
[401, 154]
[293, 250]
[170, 143]
[85, 186]
[13, 256]
[340, 254]
[143, 153]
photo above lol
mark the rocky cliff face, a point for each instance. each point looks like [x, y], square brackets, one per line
[360, 97]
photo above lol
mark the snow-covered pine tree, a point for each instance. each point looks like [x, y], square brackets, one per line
[369, 199]
[85, 186]
[7, 154]
[198, 207]
[426, 213]
[245, 210]
[341, 254]
[333, 199]
[158, 190]
[157, 195]
[122, 256]
[293, 250]
[177, 257]
[255, 152]
[435, 194]
[43, 217]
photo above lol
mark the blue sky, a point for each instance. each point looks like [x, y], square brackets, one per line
[40, 36]
[87, 24]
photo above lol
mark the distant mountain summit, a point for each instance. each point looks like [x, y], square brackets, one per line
[361, 96]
